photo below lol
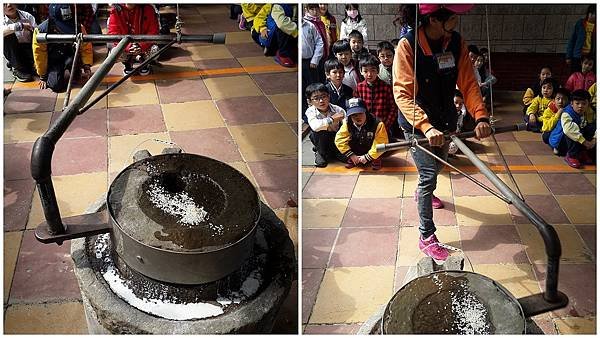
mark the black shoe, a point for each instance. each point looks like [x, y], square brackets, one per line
[320, 161]
[128, 68]
[22, 76]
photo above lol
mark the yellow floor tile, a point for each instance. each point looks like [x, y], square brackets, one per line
[51, 318]
[12, 243]
[510, 148]
[443, 188]
[488, 147]
[549, 160]
[526, 136]
[529, 184]
[102, 104]
[209, 52]
[238, 37]
[289, 216]
[192, 115]
[268, 141]
[187, 66]
[132, 94]
[74, 193]
[579, 209]
[481, 210]
[591, 178]
[518, 279]
[286, 105]
[231, 86]
[574, 249]
[352, 295]
[243, 168]
[122, 148]
[408, 243]
[379, 186]
[25, 127]
[576, 325]
[323, 213]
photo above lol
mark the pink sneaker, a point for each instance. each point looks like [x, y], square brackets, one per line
[431, 248]
[436, 203]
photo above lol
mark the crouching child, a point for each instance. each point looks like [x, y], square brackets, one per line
[359, 136]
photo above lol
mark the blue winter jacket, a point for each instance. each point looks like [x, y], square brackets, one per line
[577, 39]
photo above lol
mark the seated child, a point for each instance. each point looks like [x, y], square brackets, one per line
[465, 121]
[278, 32]
[533, 116]
[341, 50]
[552, 114]
[357, 46]
[359, 136]
[385, 53]
[484, 78]
[18, 31]
[324, 120]
[573, 134]
[339, 93]
[536, 89]
[584, 79]
[377, 95]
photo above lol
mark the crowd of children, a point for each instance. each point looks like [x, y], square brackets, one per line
[565, 115]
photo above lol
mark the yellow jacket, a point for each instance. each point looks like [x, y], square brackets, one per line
[345, 135]
[260, 19]
[592, 92]
[40, 51]
[538, 106]
[549, 119]
[251, 10]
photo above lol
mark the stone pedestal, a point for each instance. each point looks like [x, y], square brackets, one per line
[106, 313]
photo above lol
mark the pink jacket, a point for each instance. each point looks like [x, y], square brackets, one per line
[578, 80]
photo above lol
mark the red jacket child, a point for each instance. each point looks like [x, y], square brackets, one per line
[138, 19]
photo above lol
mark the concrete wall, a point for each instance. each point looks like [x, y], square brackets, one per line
[521, 28]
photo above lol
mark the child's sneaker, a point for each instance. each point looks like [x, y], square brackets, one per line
[436, 203]
[242, 22]
[128, 68]
[376, 164]
[555, 151]
[284, 61]
[145, 71]
[320, 161]
[452, 148]
[432, 248]
[22, 76]
[572, 162]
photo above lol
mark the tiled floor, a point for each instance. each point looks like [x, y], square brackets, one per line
[224, 101]
[360, 230]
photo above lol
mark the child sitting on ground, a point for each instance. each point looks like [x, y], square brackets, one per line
[324, 120]
[552, 114]
[536, 90]
[573, 134]
[339, 93]
[464, 122]
[385, 53]
[357, 46]
[359, 136]
[353, 21]
[342, 52]
[584, 79]
[533, 116]
[377, 95]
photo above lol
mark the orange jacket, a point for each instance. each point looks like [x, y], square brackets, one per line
[403, 70]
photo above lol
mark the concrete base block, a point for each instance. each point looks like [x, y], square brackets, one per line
[106, 313]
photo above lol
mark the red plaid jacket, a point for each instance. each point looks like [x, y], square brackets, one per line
[379, 99]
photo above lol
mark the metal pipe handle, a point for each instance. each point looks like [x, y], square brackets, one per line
[218, 38]
[548, 233]
[402, 144]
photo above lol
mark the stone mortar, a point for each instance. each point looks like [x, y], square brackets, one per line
[106, 313]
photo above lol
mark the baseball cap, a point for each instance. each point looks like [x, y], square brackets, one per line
[63, 17]
[454, 8]
[355, 105]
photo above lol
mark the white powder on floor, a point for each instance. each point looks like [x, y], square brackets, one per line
[159, 307]
[180, 205]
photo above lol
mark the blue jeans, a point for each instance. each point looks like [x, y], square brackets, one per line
[428, 169]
